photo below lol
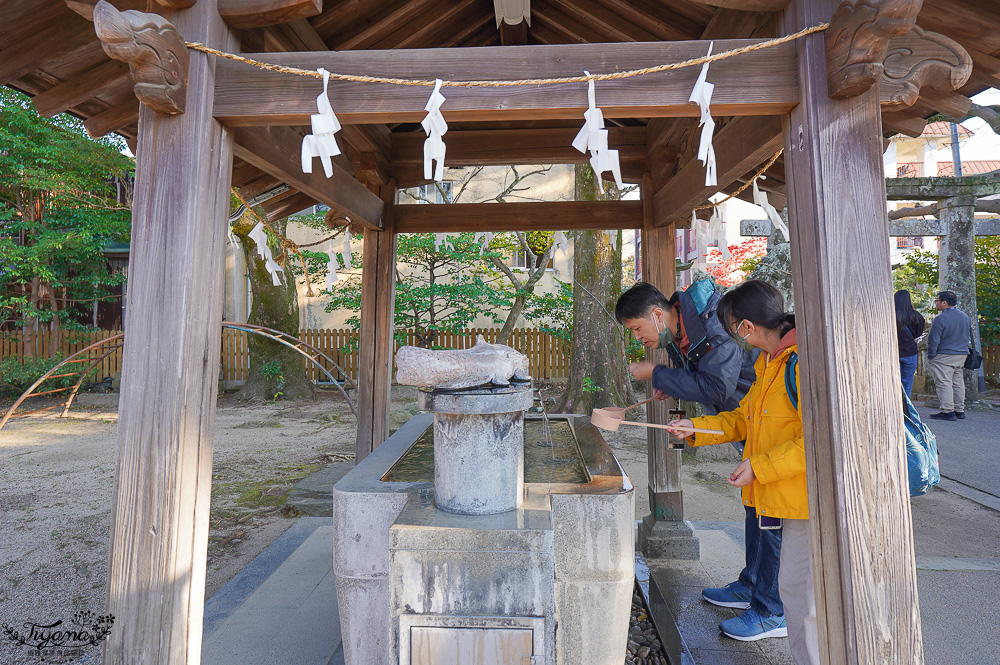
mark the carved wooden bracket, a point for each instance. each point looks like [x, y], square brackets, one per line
[921, 59]
[155, 52]
[857, 40]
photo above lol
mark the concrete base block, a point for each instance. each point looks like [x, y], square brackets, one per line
[667, 540]
[364, 619]
[593, 621]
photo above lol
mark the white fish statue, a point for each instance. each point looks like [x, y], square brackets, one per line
[483, 364]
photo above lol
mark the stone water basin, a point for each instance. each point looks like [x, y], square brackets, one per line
[555, 573]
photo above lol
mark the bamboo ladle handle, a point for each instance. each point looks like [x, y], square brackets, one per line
[679, 429]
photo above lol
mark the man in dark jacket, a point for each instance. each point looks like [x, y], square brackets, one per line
[710, 368]
[947, 348]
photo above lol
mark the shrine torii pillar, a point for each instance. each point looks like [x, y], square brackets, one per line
[862, 538]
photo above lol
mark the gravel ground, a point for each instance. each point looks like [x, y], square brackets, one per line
[57, 477]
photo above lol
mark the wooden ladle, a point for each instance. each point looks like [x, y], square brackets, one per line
[611, 421]
[620, 411]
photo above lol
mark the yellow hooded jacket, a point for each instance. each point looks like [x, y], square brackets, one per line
[772, 429]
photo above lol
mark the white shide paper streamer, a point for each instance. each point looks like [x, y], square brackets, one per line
[592, 136]
[435, 127]
[321, 143]
[701, 95]
[760, 198]
[259, 236]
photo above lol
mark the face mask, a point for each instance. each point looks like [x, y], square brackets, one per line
[742, 341]
[666, 335]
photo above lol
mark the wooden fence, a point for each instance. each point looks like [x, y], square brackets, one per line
[548, 356]
[69, 343]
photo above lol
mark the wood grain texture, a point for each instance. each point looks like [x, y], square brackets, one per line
[155, 52]
[525, 216]
[259, 13]
[921, 59]
[757, 83]
[36, 51]
[857, 39]
[862, 538]
[118, 116]
[94, 82]
[741, 145]
[747, 5]
[275, 150]
[163, 476]
[378, 292]
[658, 268]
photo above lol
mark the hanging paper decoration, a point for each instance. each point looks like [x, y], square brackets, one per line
[700, 229]
[331, 267]
[717, 233]
[435, 127]
[560, 242]
[613, 239]
[487, 239]
[592, 136]
[440, 240]
[321, 143]
[760, 198]
[259, 237]
[701, 95]
[345, 253]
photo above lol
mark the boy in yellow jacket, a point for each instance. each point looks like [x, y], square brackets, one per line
[772, 474]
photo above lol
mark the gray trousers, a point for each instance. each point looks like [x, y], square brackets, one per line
[795, 585]
[949, 381]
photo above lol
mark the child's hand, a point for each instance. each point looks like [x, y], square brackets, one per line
[742, 476]
[681, 434]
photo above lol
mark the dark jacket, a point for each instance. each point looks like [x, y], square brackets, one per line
[907, 334]
[715, 371]
[950, 333]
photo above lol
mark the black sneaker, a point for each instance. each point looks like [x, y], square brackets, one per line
[960, 415]
[945, 415]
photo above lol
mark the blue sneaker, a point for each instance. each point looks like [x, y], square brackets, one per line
[732, 595]
[752, 625]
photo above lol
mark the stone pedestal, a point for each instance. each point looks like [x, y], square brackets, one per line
[666, 539]
[478, 447]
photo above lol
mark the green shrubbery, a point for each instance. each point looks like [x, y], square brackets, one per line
[16, 377]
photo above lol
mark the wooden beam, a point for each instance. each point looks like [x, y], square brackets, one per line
[757, 83]
[37, 50]
[118, 116]
[528, 216]
[166, 424]
[903, 123]
[741, 145]
[378, 292]
[859, 506]
[613, 24]
[402, 14]
[513, 35]
[260, 13]
[275, 150]
[288, 205]
[655, 17]
[431, 32]
[748, 5]
[106, 77]
[501, 147]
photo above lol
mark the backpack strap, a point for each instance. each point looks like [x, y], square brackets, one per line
[790, 387]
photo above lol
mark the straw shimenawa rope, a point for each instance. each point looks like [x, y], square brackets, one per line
[518, 82]
[745, 185]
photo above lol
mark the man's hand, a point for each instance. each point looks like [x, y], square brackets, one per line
[641, 371]
[660, 395]
[742, 476]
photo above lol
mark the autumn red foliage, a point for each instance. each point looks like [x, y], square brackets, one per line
[731, 272]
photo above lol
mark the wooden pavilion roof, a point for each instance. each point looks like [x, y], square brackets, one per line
[49, 50]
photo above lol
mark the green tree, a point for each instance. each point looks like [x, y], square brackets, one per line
[63, 197]
[442, 286]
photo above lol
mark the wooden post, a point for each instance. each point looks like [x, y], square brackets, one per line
[378, 293]
[862, 537]
[662, 534]
[957, 267]
[163, 478]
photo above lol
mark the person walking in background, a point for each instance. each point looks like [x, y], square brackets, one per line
[909, 326]
[947, 348]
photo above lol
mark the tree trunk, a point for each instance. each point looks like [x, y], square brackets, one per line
[503, 337]
[273, 307]
[598, 374]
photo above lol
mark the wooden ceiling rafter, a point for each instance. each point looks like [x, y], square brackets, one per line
[616, 27]
[432, 30]
[397, 15]
[37, 50]
[656, 18]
